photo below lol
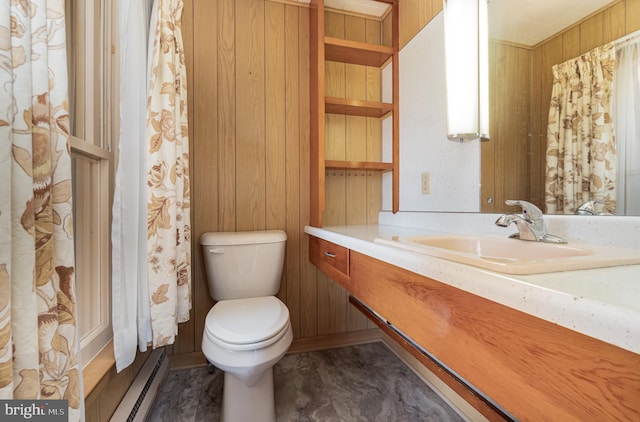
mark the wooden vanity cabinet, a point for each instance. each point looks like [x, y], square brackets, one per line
[532, 368]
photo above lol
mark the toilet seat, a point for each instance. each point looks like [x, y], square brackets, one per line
[247, 324]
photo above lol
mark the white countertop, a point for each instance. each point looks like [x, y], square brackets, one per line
[602, 303]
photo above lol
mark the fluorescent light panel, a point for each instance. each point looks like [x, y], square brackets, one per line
[467, 69]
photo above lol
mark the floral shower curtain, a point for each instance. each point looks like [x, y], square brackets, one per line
[38, 336]
[168, 195]
[581, 150]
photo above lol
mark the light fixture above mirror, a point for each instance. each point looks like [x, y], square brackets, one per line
[467, 69]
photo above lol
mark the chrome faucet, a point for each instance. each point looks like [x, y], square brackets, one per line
[530, 224]
[589, 208]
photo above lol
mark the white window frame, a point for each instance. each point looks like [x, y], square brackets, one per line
[93, 108]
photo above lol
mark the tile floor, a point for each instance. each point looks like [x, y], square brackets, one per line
[366, 382]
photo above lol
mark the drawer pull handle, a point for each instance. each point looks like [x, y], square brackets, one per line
[330, 255]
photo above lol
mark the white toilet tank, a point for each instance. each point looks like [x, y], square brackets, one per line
[243, 264]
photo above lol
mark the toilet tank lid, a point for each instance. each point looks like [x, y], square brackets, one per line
[242, 238]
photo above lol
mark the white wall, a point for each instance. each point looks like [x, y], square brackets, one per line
[454, 167]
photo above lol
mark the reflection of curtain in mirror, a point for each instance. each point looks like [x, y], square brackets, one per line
[581, 151]
[627, 125]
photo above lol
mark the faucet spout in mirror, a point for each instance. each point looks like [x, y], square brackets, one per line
[589, 208]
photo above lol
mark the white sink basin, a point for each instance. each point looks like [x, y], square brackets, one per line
[513, 256]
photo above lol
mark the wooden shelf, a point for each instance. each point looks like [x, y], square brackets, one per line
[362, 108]
[357, 165]
[354, 52]
[324, 52]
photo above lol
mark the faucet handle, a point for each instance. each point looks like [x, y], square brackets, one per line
[530, 211]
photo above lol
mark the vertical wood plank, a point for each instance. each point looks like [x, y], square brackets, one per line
[292, 166]
[316, 112]
[550, 54]
[117, 388]
[571, 43]
[387, 33]
[409, 20]
[250, 98]
[335, 129]
[507, 165]
[335, 187]
[188, 40]
[92, 412]
[204, 155]
[425, 12]
[276, 123]
[614, 22]
[275, 117]
[308, 282]
[226, 114]
[523, 119]
[504, 128]
[632, 16]
[591, 33]
[538, 133]
[356, 127]
[335, 142]
[374, 129]
[436, 7]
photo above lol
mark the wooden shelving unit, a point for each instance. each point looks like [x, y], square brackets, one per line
[324, 48]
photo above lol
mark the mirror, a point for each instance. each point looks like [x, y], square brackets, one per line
[523, 47]
[479, 177]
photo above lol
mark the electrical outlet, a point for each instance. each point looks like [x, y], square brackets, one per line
[426, 186]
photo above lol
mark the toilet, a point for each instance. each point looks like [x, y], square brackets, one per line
[248, 330]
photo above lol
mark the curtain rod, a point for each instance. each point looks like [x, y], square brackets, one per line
[617, 43]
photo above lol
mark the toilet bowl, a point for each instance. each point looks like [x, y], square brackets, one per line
[248, 330]
[245, 338]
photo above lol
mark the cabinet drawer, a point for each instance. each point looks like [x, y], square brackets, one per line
[329, 257]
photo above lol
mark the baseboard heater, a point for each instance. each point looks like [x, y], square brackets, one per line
[137, 403]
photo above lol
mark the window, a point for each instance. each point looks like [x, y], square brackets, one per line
[89, 60]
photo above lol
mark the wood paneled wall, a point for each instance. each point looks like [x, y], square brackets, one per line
[505, 158]
[615, 21]
[248, 64]
[103, 397]
[414, 15]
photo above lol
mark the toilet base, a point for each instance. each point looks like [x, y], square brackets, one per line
[243, 403]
